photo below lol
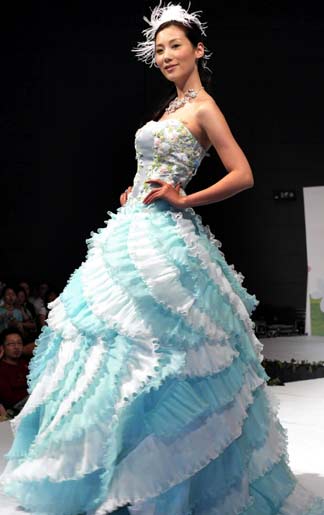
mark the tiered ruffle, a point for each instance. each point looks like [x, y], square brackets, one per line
[147, 388]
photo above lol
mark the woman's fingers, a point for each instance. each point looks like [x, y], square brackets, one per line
[152, 195]
[163, 190]
[156, 181]
[123, 197]
[150, 198]
[147, 198]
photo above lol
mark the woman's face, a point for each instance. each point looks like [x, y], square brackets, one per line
[9, 296]
[174, 53]
[21, 297]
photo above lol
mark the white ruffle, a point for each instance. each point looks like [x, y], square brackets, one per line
[73, 460]
[162, 279]
[186, 231]
[110, 302]
[208, 359]
[142, 368]
[274, 404]
[53, 374]
[59, 321]
[67, 459]
[133, 480]
[95, 357]
[114, 223]
[269, 454]
[115, 307]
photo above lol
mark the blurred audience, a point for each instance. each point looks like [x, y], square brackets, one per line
[10, 315]
[2, 287]
[13, 373]
[25, 307]
[29, 318]
[38, 300]
[24, 285]
[23, 313]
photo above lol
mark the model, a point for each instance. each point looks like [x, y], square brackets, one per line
[146, 387]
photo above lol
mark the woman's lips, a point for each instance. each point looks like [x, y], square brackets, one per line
[170, 68]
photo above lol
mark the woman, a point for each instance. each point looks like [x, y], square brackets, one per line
[146, 386]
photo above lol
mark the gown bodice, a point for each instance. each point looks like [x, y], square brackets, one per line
[166, 150]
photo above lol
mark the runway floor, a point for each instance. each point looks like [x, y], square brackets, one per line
[301, 412]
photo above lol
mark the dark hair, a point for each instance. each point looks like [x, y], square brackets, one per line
[194, 35]
[7, 287]
[6, 332]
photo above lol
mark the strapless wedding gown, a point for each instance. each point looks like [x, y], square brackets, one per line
[146, 387]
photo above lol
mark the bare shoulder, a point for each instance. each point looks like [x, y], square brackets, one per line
[208, 111]
[213, 124]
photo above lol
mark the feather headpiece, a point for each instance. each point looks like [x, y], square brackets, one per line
[145, 50]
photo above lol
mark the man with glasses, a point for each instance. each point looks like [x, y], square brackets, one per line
[13, 373]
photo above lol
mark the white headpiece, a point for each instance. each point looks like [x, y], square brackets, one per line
[145, 50]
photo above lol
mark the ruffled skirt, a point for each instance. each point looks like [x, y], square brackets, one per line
[146, 388]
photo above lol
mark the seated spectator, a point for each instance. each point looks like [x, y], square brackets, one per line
[13, 373]
[10, 316]
[38, 300]
[30, 306]
[29, 321]
[2, 287]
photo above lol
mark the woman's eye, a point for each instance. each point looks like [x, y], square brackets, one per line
[175, 46]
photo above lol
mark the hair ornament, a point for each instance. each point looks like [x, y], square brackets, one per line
[145, 50]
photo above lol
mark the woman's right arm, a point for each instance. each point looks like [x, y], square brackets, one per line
[124, 196]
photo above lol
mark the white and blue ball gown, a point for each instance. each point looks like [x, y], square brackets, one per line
[146, 387]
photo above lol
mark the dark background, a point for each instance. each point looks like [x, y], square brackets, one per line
[73, 95]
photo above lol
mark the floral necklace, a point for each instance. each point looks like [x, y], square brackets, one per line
[179, 102]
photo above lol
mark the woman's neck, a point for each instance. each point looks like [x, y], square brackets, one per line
[191, 81]
[182, 90]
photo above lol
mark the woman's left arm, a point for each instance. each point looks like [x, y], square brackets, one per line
[239, 174]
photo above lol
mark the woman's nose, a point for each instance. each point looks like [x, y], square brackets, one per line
[167, 56]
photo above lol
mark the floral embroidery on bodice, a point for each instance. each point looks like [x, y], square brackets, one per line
[165, 150]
